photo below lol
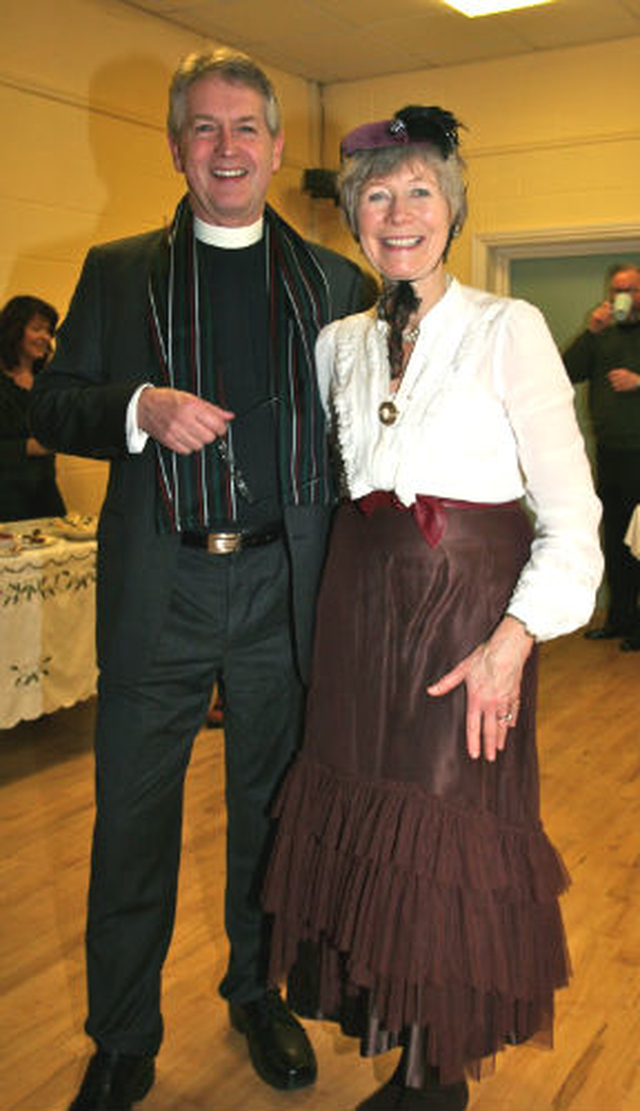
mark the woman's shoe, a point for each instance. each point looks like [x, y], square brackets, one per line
[394, 1096]
[439, 1097]
[385, 1098]
[605, 632]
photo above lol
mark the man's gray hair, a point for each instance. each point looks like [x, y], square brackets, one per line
[618, 268]
[231, 66]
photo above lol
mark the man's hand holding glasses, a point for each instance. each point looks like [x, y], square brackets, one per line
[180, 420]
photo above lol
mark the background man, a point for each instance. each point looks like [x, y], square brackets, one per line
[607, 354]
[187, 359]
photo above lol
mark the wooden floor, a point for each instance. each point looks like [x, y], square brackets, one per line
[590, 755]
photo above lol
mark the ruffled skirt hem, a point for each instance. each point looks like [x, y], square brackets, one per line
[410, 921]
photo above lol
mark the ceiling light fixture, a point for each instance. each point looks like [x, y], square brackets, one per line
[472, 8]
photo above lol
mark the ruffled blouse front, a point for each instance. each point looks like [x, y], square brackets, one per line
[485, 413]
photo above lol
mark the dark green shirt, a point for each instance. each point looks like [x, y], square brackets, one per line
[615, 414]
[239, 378]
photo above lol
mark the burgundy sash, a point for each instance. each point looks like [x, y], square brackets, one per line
[428, 511]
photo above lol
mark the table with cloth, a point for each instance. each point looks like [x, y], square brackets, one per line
[47, 616]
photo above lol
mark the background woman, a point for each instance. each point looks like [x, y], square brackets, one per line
[27, 469]
[414, 890]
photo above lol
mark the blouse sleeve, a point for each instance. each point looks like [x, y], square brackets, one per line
[555, 593]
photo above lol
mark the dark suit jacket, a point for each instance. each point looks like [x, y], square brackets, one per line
[103, 354]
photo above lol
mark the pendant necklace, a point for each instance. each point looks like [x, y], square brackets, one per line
[388, 410]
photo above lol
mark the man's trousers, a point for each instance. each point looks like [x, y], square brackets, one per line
[229, 618]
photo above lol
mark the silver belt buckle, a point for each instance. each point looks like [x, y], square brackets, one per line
[223, 543]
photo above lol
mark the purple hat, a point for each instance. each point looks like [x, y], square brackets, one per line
[414, 124]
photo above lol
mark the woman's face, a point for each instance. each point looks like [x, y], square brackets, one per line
[403, 223]
[36, 339]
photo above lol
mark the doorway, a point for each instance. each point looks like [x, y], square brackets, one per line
[561, 271]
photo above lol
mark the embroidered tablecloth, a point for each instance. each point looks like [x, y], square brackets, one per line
[47, 616]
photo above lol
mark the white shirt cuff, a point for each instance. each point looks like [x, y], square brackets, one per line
[136, 437]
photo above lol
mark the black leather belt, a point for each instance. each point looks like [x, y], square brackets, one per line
[224, 543]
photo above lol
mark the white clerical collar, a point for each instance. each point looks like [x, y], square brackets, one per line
[232, 239]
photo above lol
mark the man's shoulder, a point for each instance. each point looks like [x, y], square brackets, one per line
[130, 246]
[593, 346]
[333, 260]
[344, 275]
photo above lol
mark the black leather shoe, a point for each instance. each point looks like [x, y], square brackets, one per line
[279, 1048]
[114, 1081]
[606, 632]
[630, 644]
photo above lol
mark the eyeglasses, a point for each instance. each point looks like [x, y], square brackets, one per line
[223, 446]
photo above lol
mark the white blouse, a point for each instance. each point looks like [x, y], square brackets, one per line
[485, 413]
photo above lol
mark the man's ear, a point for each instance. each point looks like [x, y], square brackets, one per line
[278, 151]
[176, 156]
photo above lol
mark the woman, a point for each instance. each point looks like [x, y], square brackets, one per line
[27, 470]
[414, 891]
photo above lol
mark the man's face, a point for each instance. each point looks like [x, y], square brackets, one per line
[226, 151]
[627, 281]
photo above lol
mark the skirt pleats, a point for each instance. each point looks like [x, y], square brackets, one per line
[413, 890]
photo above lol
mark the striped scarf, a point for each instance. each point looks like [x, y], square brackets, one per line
[193, 487]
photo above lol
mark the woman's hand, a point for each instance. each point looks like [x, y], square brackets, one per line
[492, 675]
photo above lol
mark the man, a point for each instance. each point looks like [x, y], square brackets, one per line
[607, 354]
[187, 359]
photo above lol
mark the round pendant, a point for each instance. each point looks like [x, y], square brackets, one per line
[387, 412]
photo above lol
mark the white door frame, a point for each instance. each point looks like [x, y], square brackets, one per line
[491, 253]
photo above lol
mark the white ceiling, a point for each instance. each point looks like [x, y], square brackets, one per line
[347, 40]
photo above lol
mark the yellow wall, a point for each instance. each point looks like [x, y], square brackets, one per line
[83, 90]
[552, 139]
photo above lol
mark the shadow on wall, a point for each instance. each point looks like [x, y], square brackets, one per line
[109, 175]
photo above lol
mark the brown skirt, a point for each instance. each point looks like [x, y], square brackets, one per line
[414, 891]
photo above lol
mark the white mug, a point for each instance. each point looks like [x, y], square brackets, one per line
[621, 306]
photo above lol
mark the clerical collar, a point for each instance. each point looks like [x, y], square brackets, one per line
[232, 239]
